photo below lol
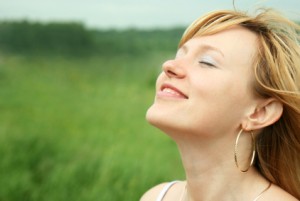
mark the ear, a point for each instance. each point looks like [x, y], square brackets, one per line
[267, 113]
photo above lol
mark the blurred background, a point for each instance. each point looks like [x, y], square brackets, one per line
[76, 78]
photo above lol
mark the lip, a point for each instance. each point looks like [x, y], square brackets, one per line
[172, 93]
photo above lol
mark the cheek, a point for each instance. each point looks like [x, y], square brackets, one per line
[208, 87]
[222, 98]
[220, 87]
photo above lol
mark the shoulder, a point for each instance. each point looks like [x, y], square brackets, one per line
[276, 193]
[153, 193]
[171, 189]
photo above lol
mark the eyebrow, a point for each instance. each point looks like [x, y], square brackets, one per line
[203, 47]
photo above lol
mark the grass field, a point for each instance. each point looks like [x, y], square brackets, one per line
[74, 129]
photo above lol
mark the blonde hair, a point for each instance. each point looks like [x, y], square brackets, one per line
[277, 75]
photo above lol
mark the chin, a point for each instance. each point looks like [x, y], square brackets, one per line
[156, 118]
[151, 116]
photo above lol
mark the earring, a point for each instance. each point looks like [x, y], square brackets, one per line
[236, 150]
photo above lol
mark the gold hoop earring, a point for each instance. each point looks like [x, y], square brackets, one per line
[236, 150]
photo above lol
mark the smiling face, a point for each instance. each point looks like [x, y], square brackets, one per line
[207, 89]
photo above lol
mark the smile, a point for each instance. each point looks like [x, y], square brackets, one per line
[171, 91]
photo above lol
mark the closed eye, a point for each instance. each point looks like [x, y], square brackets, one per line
[207, 64]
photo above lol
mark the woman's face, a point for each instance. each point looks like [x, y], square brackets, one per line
[207, 88]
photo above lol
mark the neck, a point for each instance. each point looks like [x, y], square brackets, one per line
[211, 172]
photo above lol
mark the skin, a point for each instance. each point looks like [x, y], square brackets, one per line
[204, 96]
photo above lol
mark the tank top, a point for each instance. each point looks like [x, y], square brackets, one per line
[164, 191]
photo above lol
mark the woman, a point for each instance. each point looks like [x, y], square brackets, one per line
[230, 100]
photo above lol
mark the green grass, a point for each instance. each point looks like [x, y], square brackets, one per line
[74, 129]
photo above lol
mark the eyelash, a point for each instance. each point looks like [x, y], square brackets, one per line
[207, 64]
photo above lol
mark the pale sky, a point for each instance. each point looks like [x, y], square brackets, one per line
[132, 13]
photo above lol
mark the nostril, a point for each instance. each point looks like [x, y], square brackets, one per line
[175, 72]
[173, 69]
[171, 72]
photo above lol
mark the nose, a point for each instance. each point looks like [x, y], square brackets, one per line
[173, 69]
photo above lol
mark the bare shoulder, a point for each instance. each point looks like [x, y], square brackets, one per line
[174, 189]
[152, 193]
[276, 193]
